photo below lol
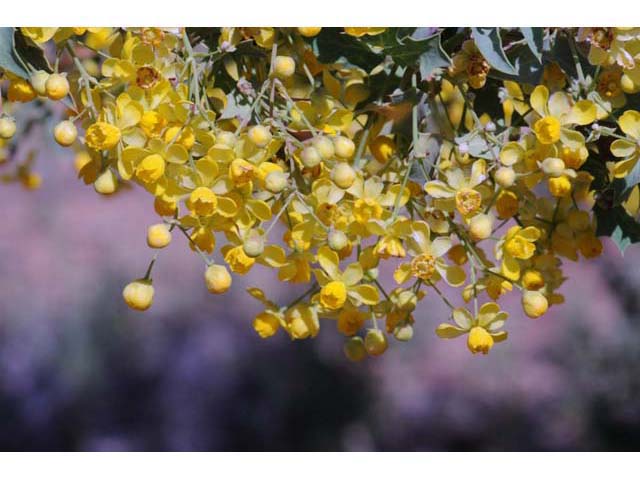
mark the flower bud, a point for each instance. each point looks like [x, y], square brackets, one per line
[106, 183]
[259, 135]
[158, 235]
[375, 342]
[310, 157]
[253, 245]
[404, 333]
[226, 138]
[505, 177]
[533, 280]
[217, 279]
[65, 133]
[354, 349]
[534, 303]
[284, 66]
[138, 294]
[38, 81]
[407, 300]
[559, 186]
[481, 226]
[275, 182]
[325, 147]
[344, 147]
[309, 31]
[371, 274]
[343, 175]
[552, 166]
[56, 86]
[7, 127]
[337, 240]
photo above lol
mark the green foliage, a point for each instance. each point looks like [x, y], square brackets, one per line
[18, 54]
[617, 224]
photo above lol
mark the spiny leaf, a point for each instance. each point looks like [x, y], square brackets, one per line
[617, 224]
[489, 43]
[534, 37]
[623, 186]
[331, 45]
[9, 60]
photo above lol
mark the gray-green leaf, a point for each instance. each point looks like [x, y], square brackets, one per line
[489, 43]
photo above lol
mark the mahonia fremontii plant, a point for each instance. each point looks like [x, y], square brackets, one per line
[480, 158]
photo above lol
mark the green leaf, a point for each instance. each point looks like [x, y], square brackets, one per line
[426, 52]
[622, 186]
[617, 224]
[9, 60]
[535, 38]
[489, 43]
[331, 44]
[30, 52]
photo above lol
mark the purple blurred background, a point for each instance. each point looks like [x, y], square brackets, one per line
[79, 371]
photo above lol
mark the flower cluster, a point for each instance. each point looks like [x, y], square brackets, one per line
[269, 147]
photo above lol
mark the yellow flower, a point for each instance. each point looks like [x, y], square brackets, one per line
[517, 244]
[557, 113]
[428, 263]
[361, 31]
[337, 286]
[150, 169]
[471, 65]
[20, 91]
[202, 202]
[459, 191]
[301, 321]
[39, 34]
[382, 148]
[483, 331]
[102, 136]
[238, 261]
[333, 295]
[267, 323]
[350, 321]
[628, 148]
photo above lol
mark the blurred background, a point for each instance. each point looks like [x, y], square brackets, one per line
[80, 371]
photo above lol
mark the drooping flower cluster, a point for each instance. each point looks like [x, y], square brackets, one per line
[266, 146]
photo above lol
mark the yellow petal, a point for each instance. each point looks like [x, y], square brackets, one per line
[366, 294]
[226, 207]
[583, 112]
[462, 317]
[539, 99]
[274, 256]
[510, 268]
[445, 330]
[352, 274]
[438, 189]
[623, 148]
[329, 261]
[629, 122]
[622, 169]
[402, 273]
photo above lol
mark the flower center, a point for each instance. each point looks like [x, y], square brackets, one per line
[547, 130]
[333, 295]
[365, 209]
[468, 201]
[480, 341]
[423, 266]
